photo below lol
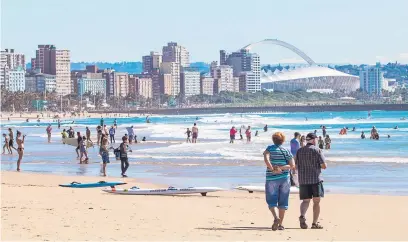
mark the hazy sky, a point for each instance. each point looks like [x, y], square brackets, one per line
[329, 31]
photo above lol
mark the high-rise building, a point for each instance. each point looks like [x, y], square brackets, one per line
[213, 66]
[10, 61]
[372, 80]
[166, 84]
[91, 69]
[121, 84]
[243, 61]
[223, 57]
[190, 81]
[155, 75]
[92, 86]
[16, 82]
[235, 83]
[147, 63]
[244, 79]
[55, 62]
[141, 85]
[172, 68]
[223, 76]
[207, 85]
[156, 59]
[176, 53]
[109, 76]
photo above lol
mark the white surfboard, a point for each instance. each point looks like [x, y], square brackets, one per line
[164, 191]
[251, 189]
[74, 142]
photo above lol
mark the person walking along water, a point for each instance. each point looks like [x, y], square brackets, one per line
[124, 162]
[49, 129]
[233, 131]
[195, 133]
[279, 162]
[309, 162]
[104, 152]
[112, 135]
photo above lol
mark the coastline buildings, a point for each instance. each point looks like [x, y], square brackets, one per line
[93, 86]
[172, 68]
[207, 85]
[40, 82]
[244, 64]
[11, 66]
[372, 80]
[223, 77]
[141, 85]
[50, 60]
[190, 81]
[166, 84]
[176, 53]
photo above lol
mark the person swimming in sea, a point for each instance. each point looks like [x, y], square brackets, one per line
[363, 135]
[354, 129]
[396, 127]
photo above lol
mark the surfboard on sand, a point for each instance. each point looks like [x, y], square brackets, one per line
[164, 191]
[251, 189]
[74, 142]
[91, 185]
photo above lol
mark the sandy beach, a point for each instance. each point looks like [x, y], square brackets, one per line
[35, 208]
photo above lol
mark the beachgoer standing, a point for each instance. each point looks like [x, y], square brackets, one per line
[302, 141]
[362, 135]
[112, 135]
[49, 129]
[248, 134]
[20, 148]
[79, 139]
[104, 152]
[11, 141]
[131, 134]
[294, 147]
[88, 134]
[321, 143]
[240, 134]
[324, 131]
[327, 141]
[101, 123]
[82, 147]
[98, 134]
[309, 162]
[188, 132]
[124, 162]
[59, 123]
[6, 145]
[115, 123]
[278, 161]
[233, 131]
[266, 128]
[195, 133]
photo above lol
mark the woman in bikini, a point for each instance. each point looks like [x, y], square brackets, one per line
[20, 148]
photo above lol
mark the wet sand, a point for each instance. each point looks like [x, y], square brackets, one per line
[35, 208]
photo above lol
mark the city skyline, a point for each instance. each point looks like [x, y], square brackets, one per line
[328, 32]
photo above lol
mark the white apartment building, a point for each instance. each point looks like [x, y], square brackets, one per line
[372, 80]
[172, 68]
[94, 86]
[16, 80]
[190, 82]
[63, 71]
[121, 84]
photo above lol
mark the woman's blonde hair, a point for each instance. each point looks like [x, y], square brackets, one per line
[278, 138]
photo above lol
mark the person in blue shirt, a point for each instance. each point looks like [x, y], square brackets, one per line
[295, 144]
[279, 162]
[112, 135]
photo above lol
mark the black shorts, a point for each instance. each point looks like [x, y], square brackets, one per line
[232, 137]
[311, 191]
[11, 143]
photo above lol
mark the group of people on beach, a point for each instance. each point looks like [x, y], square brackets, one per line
[9, 145]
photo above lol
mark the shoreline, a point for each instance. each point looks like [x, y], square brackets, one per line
[35, 208]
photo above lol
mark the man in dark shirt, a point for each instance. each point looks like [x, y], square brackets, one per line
[309, 162]
[124, 162]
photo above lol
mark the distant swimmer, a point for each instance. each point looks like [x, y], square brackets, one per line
[315, 132]
[321, 142]
[144, 138]
[396, 127]
[306, 119]
[327, 140]
[362, 135]
[354, 129]
[266, 128]
[256, 133]
[389, 136]
[402, 118]
[324, 131]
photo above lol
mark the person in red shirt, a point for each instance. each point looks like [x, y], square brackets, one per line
[233, 131]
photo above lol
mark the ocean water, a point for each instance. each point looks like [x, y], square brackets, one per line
[354, 165]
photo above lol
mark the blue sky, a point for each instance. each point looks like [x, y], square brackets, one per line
[346, 31]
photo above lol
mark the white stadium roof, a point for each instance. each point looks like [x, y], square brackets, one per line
[301, 72]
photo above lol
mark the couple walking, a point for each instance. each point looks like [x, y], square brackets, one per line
[308, 161]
